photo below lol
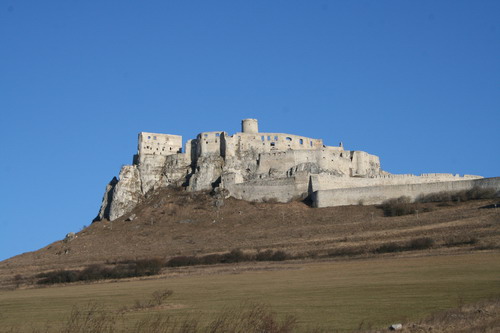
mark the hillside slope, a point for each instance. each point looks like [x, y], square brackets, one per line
[174, 222]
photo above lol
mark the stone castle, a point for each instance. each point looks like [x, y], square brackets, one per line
[256, 166]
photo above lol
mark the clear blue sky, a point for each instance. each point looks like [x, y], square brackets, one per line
[415, 82]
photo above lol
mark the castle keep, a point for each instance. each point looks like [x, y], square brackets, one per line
[256, 166]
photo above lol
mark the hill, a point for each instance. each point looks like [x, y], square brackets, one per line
[173, 222]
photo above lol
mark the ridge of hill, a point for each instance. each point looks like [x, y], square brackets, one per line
[173, 222]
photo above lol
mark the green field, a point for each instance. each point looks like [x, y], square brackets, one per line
[334, 295]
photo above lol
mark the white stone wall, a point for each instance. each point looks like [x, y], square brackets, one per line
[328, 182]
[209, 143]
[374, 195]
[159, 144]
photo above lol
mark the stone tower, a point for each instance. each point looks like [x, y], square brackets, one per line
[249, 126]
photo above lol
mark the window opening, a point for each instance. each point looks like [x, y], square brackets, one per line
[262, 138]
[288, 139]
[268, 138]
[301, 141]
[276, 138]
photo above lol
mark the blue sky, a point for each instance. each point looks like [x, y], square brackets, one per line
[415, 82]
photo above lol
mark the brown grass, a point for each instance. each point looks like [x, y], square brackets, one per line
[188, 224]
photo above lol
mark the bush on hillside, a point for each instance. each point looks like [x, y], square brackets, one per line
[398, 206]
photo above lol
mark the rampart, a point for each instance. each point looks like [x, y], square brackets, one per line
[374, 195]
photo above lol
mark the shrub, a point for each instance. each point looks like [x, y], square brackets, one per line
[148, 266]
[211, 259]
[235, 255]
[279, 256]
[397, 207]
[183, 261]
[142, 267]
[420, 243]
[346, 251]
[264, 255]
[60, 276]
[457, 241]
[389, 247]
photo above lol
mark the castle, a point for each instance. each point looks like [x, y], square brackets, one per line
[256, 166]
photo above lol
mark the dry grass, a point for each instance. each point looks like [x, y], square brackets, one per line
[176, 223]
[334, 295]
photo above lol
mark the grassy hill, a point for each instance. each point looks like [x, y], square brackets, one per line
[351, 265]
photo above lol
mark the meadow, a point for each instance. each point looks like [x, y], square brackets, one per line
[333, 295]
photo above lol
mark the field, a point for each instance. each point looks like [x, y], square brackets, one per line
[333, 294]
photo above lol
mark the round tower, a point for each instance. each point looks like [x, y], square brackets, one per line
[250, 126]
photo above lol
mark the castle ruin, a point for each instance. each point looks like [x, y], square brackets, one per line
[256, 166]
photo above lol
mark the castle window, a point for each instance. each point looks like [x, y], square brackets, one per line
[154, 137]
[206, 135]
[276, 138]
[311, 143]
[288, 139]
[273, 144]
[217, 134]
[268, 138]
[301, 141]
[263, 138]
[149, 137]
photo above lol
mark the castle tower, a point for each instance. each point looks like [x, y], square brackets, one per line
[249, 126]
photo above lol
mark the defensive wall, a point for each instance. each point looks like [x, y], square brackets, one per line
[321, 182]
[281, 190]
[374, 195]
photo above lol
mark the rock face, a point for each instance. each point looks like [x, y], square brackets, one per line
[248, 165]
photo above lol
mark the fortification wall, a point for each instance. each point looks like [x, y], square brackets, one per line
[268, 142]
[159, 144]
[328, 182]
[374, 195]
[281, 190]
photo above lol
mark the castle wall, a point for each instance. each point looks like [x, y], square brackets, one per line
[328, 182]
[374, 195]
[209, 143]
[281, 190]
[268, 142]
[159, 144]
